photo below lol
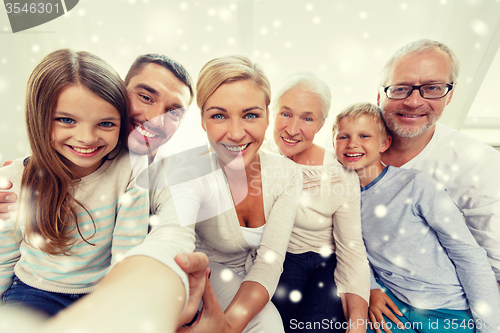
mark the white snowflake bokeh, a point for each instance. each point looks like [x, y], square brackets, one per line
[295, 296]
[282, 52]
[380, 211]
[226, 275]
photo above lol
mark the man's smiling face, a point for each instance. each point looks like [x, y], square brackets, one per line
[414, 115]
[158, 101]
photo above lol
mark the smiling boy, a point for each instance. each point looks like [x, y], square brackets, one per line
[421, 253]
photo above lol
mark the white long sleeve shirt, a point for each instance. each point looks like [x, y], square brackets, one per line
[469, 171]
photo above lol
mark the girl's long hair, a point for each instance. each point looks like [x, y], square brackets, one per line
[47, 186]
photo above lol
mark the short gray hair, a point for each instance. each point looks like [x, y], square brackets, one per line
[308, 82]
[420, 46]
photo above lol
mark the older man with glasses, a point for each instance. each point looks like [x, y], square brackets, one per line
[416, 85]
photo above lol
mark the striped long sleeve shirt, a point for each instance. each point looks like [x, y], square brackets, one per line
[117, 219]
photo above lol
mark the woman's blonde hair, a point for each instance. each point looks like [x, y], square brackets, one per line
[47, 186]
[229, 69]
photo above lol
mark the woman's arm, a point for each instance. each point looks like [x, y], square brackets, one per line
[355, 311]
[246, 304]
[352, 274]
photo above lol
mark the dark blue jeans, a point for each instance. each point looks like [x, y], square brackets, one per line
[319, 307]
[45, 302]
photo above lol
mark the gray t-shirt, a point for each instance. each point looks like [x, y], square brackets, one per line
[420, 248]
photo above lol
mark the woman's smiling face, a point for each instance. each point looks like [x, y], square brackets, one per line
[298, 118]
[235, 118]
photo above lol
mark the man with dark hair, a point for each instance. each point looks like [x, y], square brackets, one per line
[160, 91]
[162, 60]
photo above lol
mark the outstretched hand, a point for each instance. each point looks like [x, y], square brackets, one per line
[195, 265]
[381, 304]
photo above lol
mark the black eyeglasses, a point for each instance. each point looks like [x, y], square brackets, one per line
[428, 91]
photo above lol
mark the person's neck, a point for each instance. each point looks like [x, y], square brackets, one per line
[313, 155]
[239, 180]
[403, 150]
[370, 173]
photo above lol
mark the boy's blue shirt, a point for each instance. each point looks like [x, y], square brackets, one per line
[420, 248]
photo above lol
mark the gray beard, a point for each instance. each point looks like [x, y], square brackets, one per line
[401, 132]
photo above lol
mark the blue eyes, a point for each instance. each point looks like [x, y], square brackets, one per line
[174, 113]
[344, 137]
[249, 116]
[288, 115]
[69, 121]
[106, 124]
[65, 120]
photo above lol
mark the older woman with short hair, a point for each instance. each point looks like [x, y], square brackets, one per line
[326, 236]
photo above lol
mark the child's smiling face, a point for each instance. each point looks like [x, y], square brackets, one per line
[359, 143]
[85, 129]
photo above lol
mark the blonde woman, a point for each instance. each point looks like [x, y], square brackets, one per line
[245, 240]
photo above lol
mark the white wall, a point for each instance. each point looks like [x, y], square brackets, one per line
[344, 42]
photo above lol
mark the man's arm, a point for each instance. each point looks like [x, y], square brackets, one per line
[470, 261]
[138, 294]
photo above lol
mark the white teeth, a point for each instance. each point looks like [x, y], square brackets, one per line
[290, 140]
[354, 155]
[236, 149]
[85, 151]
[411, 116]
[144, 132]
